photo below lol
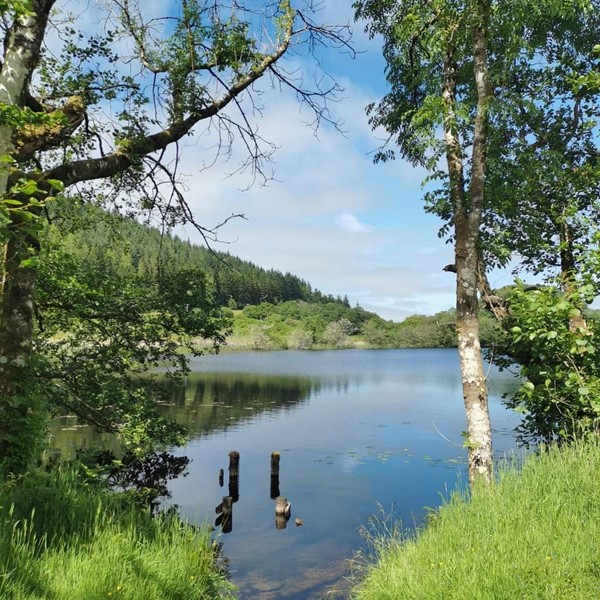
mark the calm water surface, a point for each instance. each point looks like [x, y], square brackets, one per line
[358, 431]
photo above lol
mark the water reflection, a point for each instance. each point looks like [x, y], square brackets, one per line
[224, 509]
[212, 402]
[274, 489]
[205, 403]
[356, 429]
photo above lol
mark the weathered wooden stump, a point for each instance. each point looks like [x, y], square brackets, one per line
[234, 472]
[225, 519]
[234, 463]
[283, 510]
[275, 457]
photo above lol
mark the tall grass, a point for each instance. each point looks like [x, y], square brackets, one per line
[535, 535]
[61, 539]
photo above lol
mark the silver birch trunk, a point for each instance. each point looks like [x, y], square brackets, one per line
[467, 222]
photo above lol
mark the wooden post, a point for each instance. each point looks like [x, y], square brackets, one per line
[274, 492]
[234, 472]
[221, 477]
[275, 457]
[283, 510]
[234, 463]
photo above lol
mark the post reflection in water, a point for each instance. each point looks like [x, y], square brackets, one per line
[224, 510]
[274, 491]
[234, 475]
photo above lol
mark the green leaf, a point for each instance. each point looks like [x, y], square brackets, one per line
[29, 188]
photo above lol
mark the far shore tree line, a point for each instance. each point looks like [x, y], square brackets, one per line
[264, 309]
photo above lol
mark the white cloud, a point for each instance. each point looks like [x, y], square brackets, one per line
[350, 223]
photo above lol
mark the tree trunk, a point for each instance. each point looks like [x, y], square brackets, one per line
[479, 434]
[475, 394]
[567, 275]
[22, 415]
[22, 48]
[467, 221]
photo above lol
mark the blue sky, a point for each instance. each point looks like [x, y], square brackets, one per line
[331, 216]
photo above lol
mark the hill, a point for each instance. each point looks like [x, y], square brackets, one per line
[269, 309]
[136, 248]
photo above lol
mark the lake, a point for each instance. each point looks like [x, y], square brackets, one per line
[359, 432]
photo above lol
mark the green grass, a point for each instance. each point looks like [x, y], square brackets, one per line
[63, 540]
[535, 535]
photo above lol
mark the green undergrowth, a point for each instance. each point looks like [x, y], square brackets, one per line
[535, 535]
[63, 539]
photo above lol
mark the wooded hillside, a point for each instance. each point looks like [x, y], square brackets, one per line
[136, 249]
[269, 309]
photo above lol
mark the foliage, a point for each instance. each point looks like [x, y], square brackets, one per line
[337, 332]
[259, 337]
[300, 339]
[559, 365]
[63, 536]
[102, 329]
[317, 323]
[23, 422]
[534, 535]
[544, 148]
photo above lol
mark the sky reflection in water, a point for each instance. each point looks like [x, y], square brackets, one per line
[358, 430]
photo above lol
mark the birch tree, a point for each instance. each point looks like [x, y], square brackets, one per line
[103, 113]
[453, 68]
[437, 68]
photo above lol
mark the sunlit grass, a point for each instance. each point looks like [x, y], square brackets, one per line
[536, 535]
[62, 540]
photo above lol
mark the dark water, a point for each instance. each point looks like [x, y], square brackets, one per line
[358, 431]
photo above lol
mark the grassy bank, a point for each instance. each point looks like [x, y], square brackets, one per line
[536, 535]
[63, 539]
